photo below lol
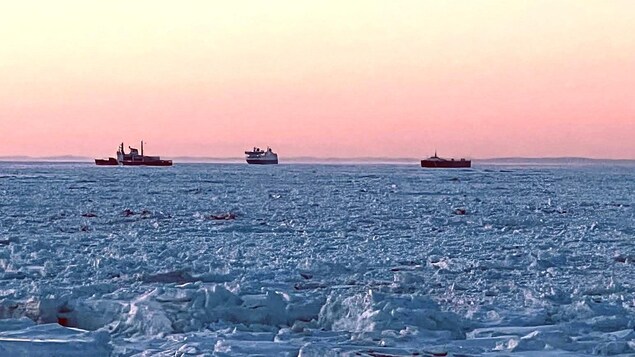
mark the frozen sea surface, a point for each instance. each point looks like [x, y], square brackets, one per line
[316, 260]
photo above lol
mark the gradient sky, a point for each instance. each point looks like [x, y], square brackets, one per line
[319, 78]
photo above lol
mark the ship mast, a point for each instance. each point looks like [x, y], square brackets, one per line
[141, 147]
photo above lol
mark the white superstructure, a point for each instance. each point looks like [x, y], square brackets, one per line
[262, 157]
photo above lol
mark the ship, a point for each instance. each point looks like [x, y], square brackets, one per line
[258, 156]
[133, 158]
[438, 162]
[111, 161]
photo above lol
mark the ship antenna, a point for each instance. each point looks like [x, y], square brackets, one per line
[141, 147]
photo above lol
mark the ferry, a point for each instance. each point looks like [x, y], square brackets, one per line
[441, 163]
[133, 158]
[258, 156]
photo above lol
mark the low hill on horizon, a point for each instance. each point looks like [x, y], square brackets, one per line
[573, 160]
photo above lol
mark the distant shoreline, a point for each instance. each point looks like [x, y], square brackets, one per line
[351, 160]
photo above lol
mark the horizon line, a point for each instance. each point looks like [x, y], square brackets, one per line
[310, 159]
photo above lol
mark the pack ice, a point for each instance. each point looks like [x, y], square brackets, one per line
[316, 260]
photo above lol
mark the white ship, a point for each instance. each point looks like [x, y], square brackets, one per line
[258, 156]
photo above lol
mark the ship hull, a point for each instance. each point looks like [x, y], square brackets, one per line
[106, 162]
[147, 163]
[262, 162]
[448, 164]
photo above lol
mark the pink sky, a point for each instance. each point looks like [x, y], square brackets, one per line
[319, 78]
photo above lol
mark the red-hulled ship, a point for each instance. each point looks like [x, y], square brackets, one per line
[111, 161]
[134, 158]
[441, 163]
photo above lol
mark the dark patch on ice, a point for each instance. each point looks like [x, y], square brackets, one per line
[77, 188]
[64, 321]
[89, 215]
[623, 259]
[195, 191]
[406, 267]
[460, 211]
[144, 214]
[183, 276]
[372, 353]
[554, 210]
[7, 241]
[306, 275]
[227, 216]
[10, 275]
[309, 286]
[179, 276]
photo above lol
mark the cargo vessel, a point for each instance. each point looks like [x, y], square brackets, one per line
[133, 158]
[441, 163]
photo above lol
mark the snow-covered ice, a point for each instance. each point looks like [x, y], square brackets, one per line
[316, 260]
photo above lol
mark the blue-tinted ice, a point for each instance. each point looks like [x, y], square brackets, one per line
[317, 260]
